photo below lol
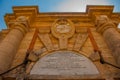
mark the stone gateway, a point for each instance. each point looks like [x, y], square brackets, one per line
[64, 46]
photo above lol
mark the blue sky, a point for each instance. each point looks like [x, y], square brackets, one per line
[53, 6]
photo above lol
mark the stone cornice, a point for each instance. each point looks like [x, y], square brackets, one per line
[33, 15]
[28, 11]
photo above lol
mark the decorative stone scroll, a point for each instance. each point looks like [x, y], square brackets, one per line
[63, 29]
[64, 63]
[46, 41]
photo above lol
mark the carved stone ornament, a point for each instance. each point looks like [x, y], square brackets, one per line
[103, 23]
[62, 27]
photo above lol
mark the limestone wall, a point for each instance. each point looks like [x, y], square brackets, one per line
[71, 36]
[106, 71]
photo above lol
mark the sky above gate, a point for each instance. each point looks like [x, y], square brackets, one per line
[53, 6]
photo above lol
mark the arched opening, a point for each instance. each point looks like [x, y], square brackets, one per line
[64, 63]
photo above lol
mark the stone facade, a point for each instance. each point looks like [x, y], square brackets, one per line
[46, 34]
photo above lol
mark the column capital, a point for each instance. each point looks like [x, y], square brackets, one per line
[21, 23]
[103, 23]
[20, 26]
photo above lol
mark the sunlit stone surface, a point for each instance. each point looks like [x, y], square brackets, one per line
[64, 63]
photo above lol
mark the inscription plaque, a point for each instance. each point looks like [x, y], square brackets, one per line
[64, 63]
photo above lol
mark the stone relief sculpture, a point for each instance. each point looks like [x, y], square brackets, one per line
[63, 29]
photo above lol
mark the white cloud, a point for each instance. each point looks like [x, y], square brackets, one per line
[119, 25]
[78, 5]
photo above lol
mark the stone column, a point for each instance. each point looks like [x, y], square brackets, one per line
[108, 29]
[10, 44]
